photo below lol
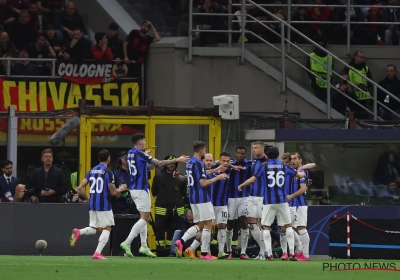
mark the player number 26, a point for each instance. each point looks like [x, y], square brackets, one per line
[96, 184]
[277, 178]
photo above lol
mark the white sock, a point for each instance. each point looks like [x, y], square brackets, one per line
[256, 232]
[229, 234]
[195, 244]
[190, 233]
[290, 239]
[88, 231]
[283, 241]
[221, 237]
[143, 236]
[305, 241]
[137, 227]
[267, 241]
[205, 240]
[262, 244]
[102, 240]
[244, 238]
[297, 243]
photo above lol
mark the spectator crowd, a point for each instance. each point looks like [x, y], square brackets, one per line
[54, 29]
[364, 29]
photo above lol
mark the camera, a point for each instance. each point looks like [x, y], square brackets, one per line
[74, 192]
[32, 192]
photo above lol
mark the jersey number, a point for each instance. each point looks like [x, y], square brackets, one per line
[190, 178]
[132, 167]
[277, 179]
[96, 184]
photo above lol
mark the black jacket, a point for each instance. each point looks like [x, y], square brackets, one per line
[392, 86]
[169, 191]
[55, 181]
[116, 43]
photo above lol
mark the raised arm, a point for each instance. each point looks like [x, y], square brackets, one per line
[162, 163]
[205, 183]
[307, 166]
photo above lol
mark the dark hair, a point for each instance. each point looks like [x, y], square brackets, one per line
[113, 26]
[80, 28]
[240, 148]
[103, 155]
[272, 153]
[391, 65]
[99, 36]
[357, 51]
[5, 163]
[136, 137]
[50, 27]
[198, 146]
[120, 154]
[297, 154]
[225, 154]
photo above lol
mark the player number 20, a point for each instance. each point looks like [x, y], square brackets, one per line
[96, 184]
[277, 178]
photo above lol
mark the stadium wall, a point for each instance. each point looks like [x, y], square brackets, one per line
[23, 224]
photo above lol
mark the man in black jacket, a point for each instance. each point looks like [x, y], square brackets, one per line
[392, 85]
[358, 33]
[79, 47]
[49, 179]
[114, 42]
[169, 206]
[211, 23]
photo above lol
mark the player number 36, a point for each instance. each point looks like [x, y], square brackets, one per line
[277, 178]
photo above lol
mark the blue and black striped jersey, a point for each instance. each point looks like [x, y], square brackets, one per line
[99, 178]
[300, 200]
[238, 177]
[220, 189]
[272, 176]
[256, 188]
[137, 164]
[195, 171]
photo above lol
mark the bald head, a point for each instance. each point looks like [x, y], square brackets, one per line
[4, 39]
[70, 8]
[19, 190]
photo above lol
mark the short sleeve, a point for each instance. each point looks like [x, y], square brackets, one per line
[260, 171]
[290, 170]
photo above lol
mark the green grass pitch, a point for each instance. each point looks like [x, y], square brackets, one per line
[119, 268]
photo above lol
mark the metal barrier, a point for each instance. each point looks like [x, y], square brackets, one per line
[285, 54]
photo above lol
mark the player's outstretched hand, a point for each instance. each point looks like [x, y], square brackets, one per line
[148, 151]
[220, 169]
[237, 168]
[183, 159]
